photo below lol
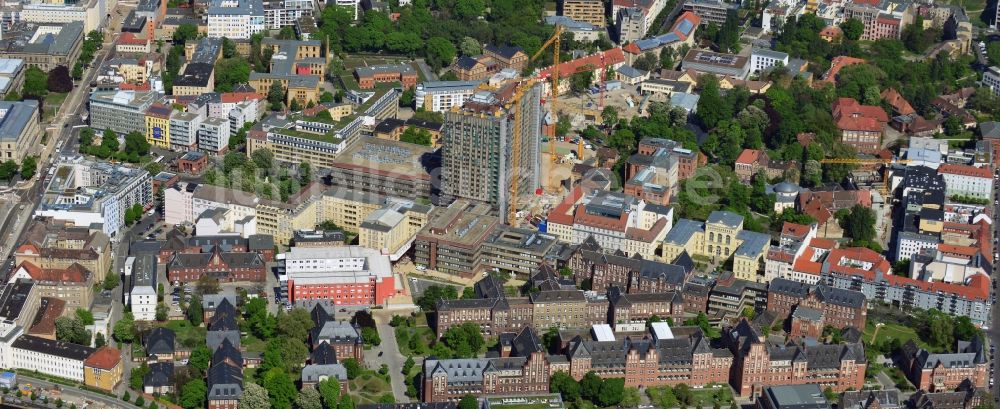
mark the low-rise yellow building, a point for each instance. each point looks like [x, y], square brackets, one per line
[717, 239]
[158, 125]
[103, 369]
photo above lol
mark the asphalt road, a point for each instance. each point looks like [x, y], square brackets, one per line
[69, 392]
[994, 331]
[390, 355]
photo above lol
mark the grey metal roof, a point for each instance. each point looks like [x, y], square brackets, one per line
[17, 117]
[795, 397]
[315, 373]
[770, 53]
[683, 230]
[728, 219]
[244, 7]
[458, 370]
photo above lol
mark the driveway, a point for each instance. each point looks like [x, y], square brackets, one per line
[390, 355]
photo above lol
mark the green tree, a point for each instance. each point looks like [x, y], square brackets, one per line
[28, 167]
[185, 32]
[59, 80]
[72, 330]
[609, 115]
[590, 386]
[230, 72]
[35, 82]
[228, 48]
[564, 384]
[109, 140]
[162, 312]
[111, 280]
[581, 80]
[353, 367]
[276, 96]
[470, 47]
[439, 52]
[279, 387]
[193, 394]
[305, 173]
[852, 28]
[135, 142]
[326, 97]
[469, 10]
[370, 335]
[140, 401]
[7, 170]
[859, 223]
[711, 106]
[263, 158]
[195, 313]
[611, 392]
[200, 358]
[416, 135]
[309, 398]
[329, 390]
[468, 402]
[99, 340]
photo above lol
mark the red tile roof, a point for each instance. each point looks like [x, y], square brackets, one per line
[978, 287]
[838, 63]
[794, 229]
[965, 170]
[237, 97]
[563, 212]
[749, 156]
[964, 251]
[852, 116]
[131, 39]
[613, 56]
[106, 358]
[897, 102]
[75, 273]
[804, 263]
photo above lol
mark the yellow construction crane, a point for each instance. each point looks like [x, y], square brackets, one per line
[554, 42]
[513, 105]
[884, 189]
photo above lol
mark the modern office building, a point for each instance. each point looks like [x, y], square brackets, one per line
[184, 128]
[121, 111]
[451, 242]
[441, 96]
[350, 275]
[235, 19]
[213, 136]
[385, 167]
[89, 193]
[478, 152]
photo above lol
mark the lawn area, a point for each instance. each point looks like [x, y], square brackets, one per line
[187, 335]
[253, 344]
[709, 395]
[368, 388]
[52, 102]
[350, 82]
[891, 331]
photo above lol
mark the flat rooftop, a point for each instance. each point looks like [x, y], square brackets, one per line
[463, 224]
[387, 158]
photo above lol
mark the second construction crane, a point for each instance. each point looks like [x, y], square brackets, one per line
[554, 42]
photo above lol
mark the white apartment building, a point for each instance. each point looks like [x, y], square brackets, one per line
[241, 205]
[282, 13]
[94, 193]
[213, 135]
[55, 358]
[440, 96]
[184, 128]
[991, 79]
[763, 59]
[178, 204]
[242, 113]
[235, 19]
[964, 180]
[142, 295]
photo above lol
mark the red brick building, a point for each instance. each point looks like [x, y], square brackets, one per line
[224, 266]
[816, 305]
[521, 369]
[369, 76]
[945, 372]
[861, 126]
[590, 262]
[758, 364]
